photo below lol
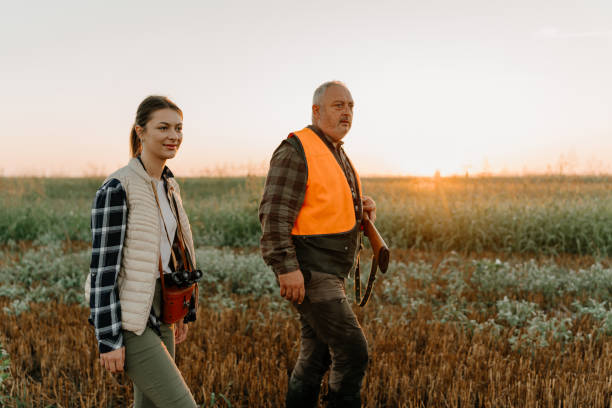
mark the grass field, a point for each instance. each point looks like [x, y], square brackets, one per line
[550, 215]
[498, 295]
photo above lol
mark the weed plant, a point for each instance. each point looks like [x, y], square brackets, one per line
[531, 299]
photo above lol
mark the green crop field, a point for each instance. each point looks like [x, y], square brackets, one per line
[550, 215]
[498, 295]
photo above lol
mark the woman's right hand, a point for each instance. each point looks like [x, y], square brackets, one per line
[113, 360]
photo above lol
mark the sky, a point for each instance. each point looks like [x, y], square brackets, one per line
[477, 86]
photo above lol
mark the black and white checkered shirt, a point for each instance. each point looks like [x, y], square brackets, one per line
[108, 225]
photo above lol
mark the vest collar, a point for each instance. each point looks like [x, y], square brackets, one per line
[136, 165]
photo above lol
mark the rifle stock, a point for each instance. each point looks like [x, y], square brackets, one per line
[379, 247]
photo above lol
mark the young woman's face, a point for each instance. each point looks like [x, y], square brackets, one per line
[162, 135]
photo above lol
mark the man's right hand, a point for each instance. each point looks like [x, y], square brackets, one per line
[292, 286]
[113, 360]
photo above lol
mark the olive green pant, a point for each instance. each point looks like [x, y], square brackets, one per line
[331, 337]
[149, 362]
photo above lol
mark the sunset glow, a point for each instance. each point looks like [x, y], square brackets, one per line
[477, 87]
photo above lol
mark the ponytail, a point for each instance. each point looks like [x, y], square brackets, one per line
[146, 108]
[135, 144]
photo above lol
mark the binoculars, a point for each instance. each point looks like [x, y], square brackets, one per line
[184, 278]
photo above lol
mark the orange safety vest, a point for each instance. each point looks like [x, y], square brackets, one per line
[325, 231]
[328, 203]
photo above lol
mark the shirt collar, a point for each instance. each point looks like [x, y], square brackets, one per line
[326, 138]
[166, 172]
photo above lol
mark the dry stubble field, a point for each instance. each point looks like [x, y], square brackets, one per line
[498, 296]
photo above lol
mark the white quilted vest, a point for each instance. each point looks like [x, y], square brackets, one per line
[139, 260]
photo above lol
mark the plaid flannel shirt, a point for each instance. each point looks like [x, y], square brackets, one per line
[283, 197]
[108, 225]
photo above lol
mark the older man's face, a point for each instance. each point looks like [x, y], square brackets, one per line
[335, 114]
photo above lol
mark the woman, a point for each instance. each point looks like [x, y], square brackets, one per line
[136, 214]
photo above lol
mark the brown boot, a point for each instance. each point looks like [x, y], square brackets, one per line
[301, 394]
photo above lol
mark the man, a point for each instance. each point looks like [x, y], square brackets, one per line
[311, 213]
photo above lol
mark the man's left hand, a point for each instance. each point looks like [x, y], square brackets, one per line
[369, 207]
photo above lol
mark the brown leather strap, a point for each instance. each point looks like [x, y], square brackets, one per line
[165, 228]
[187, 261]
[366, 296]
[380, 260]
[183, 251]
[358, 280]
[161, 275]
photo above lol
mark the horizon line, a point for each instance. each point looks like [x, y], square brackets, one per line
[436, 175]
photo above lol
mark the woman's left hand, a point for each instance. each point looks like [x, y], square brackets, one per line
[180, 332]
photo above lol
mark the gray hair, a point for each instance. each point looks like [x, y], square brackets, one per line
[320, 91]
